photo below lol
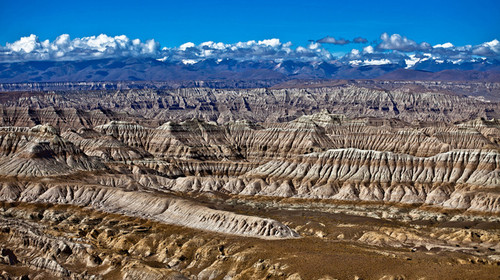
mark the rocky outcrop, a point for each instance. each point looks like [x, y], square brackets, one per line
[50, 265]
[40, 151]
[105, 147]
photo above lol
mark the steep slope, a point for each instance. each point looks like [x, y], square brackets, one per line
[464, 179]
[40, 151]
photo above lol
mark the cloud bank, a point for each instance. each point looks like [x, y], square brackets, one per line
[271, 49]
[65, 48]
[388, 49]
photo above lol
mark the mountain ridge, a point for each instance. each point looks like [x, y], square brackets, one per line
[148, 69]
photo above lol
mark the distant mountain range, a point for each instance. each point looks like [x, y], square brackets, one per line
[147, 69]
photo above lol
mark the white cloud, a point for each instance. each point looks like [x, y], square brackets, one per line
[269, 49]
[64, 48]
[301, 49]
[377, 61]
[104, 46]
[370, 62]
[355, 52]
[270, 42]
[186, 46]
[313, 46]
[162, 59]
[368, 49]
[189, 61]
[25, 44]
[395, 49]
[355, 62]
[491, 49]
[212, 45]
[400, 43]
[444, 46]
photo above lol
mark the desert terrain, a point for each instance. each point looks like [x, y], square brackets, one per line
[344, 179]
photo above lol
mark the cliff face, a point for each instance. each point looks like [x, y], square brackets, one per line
[247, 163]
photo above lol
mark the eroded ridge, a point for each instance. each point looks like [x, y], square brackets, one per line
[463, 179]
[149, 206]
[373, 175]
[302, 161]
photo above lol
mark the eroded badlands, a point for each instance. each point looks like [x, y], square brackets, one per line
[307, 182]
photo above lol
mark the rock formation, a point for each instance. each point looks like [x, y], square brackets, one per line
[370, 165]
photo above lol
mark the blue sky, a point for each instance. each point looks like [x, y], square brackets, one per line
[172, 23]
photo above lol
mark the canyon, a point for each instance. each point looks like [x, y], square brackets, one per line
[323, 179]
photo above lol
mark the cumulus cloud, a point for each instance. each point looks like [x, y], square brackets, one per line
[103, 46]
[269, 49]
[26, 44]
[488, 49]
[65, 48]
[400, 43]
[186, 46]
[390, 49]
[444, 46]
[368, 49]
